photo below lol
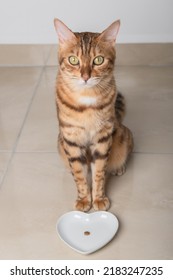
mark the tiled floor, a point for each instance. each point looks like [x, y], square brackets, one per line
[36, 189]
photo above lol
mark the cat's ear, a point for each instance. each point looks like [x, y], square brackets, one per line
[64, 33]
[110, 33]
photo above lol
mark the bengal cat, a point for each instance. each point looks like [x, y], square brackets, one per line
[90, 112]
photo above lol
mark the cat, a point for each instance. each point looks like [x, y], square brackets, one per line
[90, 112]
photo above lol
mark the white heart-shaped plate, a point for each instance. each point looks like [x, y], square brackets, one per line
[87, 233]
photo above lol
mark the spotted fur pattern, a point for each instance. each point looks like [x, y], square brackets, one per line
[90, 113]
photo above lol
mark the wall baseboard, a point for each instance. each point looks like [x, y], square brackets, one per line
[156, 54]
[159, 54]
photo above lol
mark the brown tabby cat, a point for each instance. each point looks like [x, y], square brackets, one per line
[90, 112]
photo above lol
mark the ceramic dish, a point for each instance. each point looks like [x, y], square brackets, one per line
[87, 233]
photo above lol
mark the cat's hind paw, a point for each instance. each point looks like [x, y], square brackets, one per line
[101, 204]
[119, 171]
[83, 205]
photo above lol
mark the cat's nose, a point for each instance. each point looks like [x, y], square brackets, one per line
[85, 77]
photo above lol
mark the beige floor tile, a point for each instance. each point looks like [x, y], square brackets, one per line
[41, 127]
[53, 57]
[16, 90]
[149, 98]
[38, 190]
[30, 203]
[4, 159]
[22, 55]
[143, 201]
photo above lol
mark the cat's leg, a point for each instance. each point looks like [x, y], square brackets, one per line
[100, 154]
[62, 152]
[122, 146]
[76, 160]
[79, 168]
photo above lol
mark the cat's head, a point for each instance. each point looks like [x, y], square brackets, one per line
[86, 58]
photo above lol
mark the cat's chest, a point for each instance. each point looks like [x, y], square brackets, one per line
[86, 126]
[92, 122]
[87, 100]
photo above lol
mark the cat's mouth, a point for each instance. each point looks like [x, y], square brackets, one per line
[91, 82]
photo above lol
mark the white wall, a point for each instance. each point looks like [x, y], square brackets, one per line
[31, 21]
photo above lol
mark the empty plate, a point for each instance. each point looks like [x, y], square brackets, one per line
[87, 233]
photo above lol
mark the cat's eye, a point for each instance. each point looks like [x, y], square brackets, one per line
[98, 60]
[73, 60]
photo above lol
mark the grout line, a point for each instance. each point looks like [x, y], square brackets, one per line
[21, 66]
[153, 153]
[21, 128]
[56, 152]
[36, 152]
[145, 65]
[29, 65]
[56, 65]
[28, 110]
[5, 170]
[49, 54]
[13, 151]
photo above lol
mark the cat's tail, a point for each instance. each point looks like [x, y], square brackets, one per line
[120, 107]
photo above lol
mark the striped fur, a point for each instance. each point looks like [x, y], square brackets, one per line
[90, 113]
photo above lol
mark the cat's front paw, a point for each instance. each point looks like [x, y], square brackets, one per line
[101, 204]
[83, 205]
